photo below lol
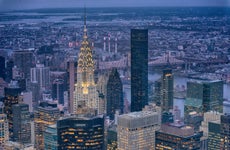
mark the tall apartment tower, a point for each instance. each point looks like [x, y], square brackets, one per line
[167, 90]
[46, 114]
[85, 94]
[136, 130]
[21, 123]
[225, 132]
[23, 60]
[12, 96]
[114, 94]
[41, 75]
[4, 129]
[139, 69]
[81, 132]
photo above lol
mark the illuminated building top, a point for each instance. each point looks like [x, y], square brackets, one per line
[85, 94]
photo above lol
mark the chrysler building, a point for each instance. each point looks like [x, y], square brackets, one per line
[85, 94]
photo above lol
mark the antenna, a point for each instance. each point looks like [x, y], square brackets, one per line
[84, 15]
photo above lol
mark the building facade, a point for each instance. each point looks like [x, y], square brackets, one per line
[46, 114]
[214, 135]
[58, 90]
[41, 75]
[167, 90]
[23, 60]
[79, 132]
[175, 136]
[50, 138]
[202, 96]
[225, 132]
[12, 96]
[85, 94]
[136, 130]
[4, 129]
[21, 123]
[139, 69]
[114, 94]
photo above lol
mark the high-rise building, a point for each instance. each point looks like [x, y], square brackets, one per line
[202, 96]
[50, 138]
[225, 132]
[167, 90]
[208, 117]
[36, 93]
[12, 96]
[46, 114]
[214, 135]
[114, 94]
[58, 90]
[177, 136]
[21, 123]
[41, 75]
[136, 130]
[2, 66]
[85, 94]
[4, 129]
[81, 132]
[72, 71]
[9, 73]
[23, 60]
[139, 69]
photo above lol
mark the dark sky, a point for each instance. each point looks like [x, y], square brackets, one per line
[30, 4]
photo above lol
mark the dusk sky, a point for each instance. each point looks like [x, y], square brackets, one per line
[31, 4]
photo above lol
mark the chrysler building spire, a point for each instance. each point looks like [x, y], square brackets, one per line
[85, 94]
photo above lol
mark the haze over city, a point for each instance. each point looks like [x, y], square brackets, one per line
[34, 4]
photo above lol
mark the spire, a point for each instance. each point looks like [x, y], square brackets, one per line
[85, 29]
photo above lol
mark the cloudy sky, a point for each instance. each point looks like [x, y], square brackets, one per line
[31, 4]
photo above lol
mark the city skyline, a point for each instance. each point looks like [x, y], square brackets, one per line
[6, 5]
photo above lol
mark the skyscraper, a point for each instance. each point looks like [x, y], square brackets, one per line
[225, 132]
[139, 69]
[214, 135]
[4, 129]
[167, 90]
[41, 75]
[85, 94]
[46, 114]
[72, 71]
[81, 132]
[58, 90]
[23, 60]
[136, 130]
[114, 94]
[202, 96]
[21, 123]
[2, 66]
[12, 96]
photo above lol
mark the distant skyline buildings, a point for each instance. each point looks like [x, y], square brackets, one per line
[34, 4]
